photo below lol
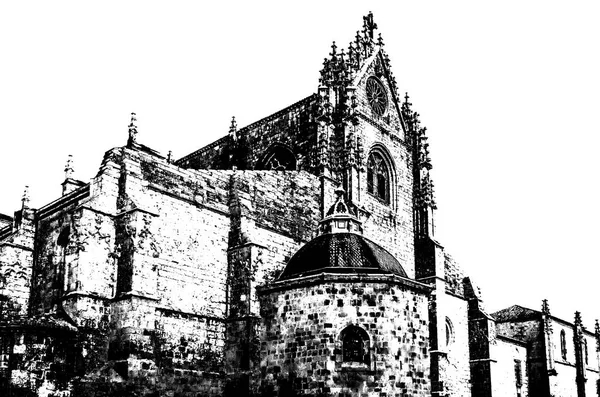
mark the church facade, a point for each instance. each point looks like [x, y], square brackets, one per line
[294, 256]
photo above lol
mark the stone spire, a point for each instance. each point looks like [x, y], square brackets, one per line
[233, 130]
[548, 338]
[369, 26]
[546, 313]
[545, 307]
[341, 217]
[132, 140]
[69, 167]
[25, 199]
[597, 335]
[578, 343]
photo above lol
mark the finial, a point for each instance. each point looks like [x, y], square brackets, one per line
[170, 157]
[132, 131]
[578, 321]
[233, 129]
[545, 307]
[380, 40]
[333, 49]
[25, 198]
[69, 167]
[406, 97]
[369, 25]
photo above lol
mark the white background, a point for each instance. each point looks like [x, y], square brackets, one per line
[509, 92]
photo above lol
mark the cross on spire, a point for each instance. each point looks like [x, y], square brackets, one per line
[368, 25]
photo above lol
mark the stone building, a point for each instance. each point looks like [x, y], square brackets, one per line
[294, 256]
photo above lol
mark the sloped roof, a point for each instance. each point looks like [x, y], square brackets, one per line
[516, 313]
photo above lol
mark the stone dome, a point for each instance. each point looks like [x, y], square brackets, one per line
[343, 253]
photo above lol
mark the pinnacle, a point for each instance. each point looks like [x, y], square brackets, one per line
[233, 129]
[69, 167]
[333, 52]
[25, 199]
[545, 307]
[132, 130]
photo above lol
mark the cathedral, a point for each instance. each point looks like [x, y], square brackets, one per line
[294, 256]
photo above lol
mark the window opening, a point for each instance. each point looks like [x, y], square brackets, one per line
[563, 345]
[355, 345]
[378, 177]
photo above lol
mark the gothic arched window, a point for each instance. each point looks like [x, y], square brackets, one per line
[355, 345]
[378, 177]
[278, 158]
[563, 345]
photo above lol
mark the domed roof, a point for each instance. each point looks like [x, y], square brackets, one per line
[342, 252]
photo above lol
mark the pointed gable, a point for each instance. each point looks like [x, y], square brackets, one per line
[365, 67]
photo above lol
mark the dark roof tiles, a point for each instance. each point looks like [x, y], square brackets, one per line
[348, 251]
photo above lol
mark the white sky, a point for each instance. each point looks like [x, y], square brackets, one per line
[509, 92]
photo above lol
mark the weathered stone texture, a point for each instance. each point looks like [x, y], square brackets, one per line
[301, 346]
[454, 371]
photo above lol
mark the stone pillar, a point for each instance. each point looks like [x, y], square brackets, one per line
[580, 378]
[241, 343]
[548, 343]
[597, 337]
[481, 331]
[324, 134]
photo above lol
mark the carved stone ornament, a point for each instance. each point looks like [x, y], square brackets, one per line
[377, 96]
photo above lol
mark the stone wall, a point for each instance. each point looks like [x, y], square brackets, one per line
[563, 383]
[531, 331]
[455, 367]
[510, 362]
[301, 347]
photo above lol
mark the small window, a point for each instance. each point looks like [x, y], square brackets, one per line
[518, 374]
[63, 237]
[378, 177]
[355, 345]
[563, 345]
[449, 332]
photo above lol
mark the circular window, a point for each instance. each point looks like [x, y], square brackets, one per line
[376, 96]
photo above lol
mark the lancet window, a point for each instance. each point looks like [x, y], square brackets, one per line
[563, 345]
[378, 177]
